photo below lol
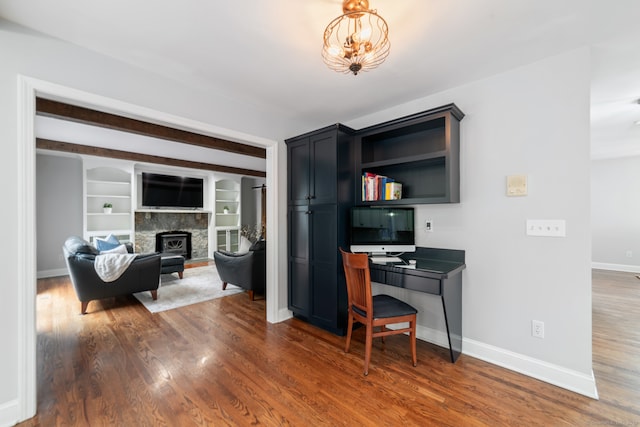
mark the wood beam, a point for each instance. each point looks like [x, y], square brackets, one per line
[74, 113]
[47, 144]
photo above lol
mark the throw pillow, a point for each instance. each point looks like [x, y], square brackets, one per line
[121, 249]
[107, 243]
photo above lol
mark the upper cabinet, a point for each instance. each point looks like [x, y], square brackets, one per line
[313, 161]
[421, 151]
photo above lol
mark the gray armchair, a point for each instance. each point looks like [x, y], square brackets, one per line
[143, 274]
[247, 271]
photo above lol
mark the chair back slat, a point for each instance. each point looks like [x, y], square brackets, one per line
[356, 270]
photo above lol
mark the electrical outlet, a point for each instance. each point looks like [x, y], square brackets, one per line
[537, 329]
[428, 225]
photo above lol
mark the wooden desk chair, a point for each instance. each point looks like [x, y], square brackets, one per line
[372, 311]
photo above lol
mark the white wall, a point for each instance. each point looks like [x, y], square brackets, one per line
[59, 209]
[615, 209]
[533, 120]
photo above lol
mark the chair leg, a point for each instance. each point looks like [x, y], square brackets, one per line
[367, 349]
[382, 329]
[224, 285]
[180, 274]
[83, 307]
[349, 330]
[154, 295]
[412, 337]
[251, 295]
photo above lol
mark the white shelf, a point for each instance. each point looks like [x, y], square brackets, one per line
[108, 214]
[110, 196]
[99, 181]
[107, 232]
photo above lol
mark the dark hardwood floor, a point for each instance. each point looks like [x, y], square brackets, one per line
[220, 363]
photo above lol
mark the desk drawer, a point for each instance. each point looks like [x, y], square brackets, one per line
[415, 283]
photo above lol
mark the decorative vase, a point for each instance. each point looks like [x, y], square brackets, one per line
[225, 211]
[107, 210]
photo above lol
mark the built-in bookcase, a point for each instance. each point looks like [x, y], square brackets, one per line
[112, 185]
[227, 214]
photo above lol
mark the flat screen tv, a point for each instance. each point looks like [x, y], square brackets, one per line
[169, 191]
[382, 230]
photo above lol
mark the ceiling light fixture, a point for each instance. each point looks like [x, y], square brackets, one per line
[357, 40]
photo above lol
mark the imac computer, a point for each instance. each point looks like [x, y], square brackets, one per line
[382, 232]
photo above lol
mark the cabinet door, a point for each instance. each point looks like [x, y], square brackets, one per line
[298, 159]
[323, 169]
[299, 254]
[324, 246]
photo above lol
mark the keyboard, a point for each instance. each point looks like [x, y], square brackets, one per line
[384, 259]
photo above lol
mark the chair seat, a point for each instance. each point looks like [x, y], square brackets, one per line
[385, 306]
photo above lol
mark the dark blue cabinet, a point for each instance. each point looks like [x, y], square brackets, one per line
[320, 193]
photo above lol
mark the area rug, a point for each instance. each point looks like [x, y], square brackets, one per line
[197, 285]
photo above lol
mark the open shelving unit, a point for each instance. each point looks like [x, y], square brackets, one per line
[421, 151]
[227, 224]
[108, 185]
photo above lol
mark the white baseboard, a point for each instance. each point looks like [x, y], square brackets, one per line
[9, 413]
[616, 267]
[547, 372]
[43, 274]
[284, 314]
[553, 374]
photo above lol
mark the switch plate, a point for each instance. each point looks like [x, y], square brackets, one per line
[546, 227]
[516, 185]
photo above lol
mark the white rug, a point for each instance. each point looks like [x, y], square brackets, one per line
[198, 284]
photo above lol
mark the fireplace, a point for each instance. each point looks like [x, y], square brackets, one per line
[174, 243]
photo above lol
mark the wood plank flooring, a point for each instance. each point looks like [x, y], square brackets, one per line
[220, 363]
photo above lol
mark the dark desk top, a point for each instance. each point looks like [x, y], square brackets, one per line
[430, 262]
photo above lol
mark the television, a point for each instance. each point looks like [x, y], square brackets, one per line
[169, 191]
[382, 230]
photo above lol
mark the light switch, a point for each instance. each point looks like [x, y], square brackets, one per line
[516, 185]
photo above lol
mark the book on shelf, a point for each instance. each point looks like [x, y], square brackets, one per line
[376, 187]
[393, 191]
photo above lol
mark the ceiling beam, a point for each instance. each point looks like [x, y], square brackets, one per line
[74, 113]
[47, 144]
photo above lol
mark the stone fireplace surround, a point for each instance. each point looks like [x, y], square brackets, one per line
[149, 223]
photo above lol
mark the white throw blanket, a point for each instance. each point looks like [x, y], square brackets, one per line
[111, 266]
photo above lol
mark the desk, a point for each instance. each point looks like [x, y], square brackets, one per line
[437, 272]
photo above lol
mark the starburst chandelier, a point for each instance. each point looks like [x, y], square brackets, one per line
[357, 40]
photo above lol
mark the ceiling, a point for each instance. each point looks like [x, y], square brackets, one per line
[266, 54]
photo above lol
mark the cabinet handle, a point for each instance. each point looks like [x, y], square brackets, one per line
[309, 212]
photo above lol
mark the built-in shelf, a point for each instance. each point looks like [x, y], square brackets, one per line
[227, 225]
[106, 184]
[421, 151]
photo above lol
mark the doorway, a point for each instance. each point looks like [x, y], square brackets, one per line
[28, 89]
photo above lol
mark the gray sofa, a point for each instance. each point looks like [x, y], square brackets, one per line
[142, 275]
